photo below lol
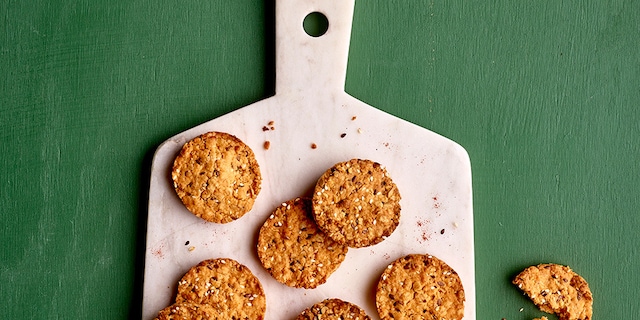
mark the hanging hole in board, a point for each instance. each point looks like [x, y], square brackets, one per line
[315, 24]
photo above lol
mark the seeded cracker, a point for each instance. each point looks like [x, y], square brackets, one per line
[333, 309]
[217, 177]
[356, 203]
[420, 287]
[294, 250]
[557, 289]
[187, 311]
[226, 285]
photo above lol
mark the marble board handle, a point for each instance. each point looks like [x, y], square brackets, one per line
[305, 63]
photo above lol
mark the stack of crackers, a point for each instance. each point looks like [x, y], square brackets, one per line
[217, 289]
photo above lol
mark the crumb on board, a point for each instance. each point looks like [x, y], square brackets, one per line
[191, 248]
[267, 144]
[269, 126]
[353, 118]
[314, 146]
[343, 135]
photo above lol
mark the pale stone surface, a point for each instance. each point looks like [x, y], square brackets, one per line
[432, 173]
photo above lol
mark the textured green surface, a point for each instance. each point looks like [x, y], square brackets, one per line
[544, 96]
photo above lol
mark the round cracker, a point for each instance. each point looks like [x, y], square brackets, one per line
[293, 249]
[333, 309]
[356, 203]
[226, 285]
[187, 311]
[420, 286]
[557, 289]
[217, 177]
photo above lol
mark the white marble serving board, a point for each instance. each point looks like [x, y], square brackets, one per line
[310, 106]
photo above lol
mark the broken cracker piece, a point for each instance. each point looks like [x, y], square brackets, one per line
[558, 290]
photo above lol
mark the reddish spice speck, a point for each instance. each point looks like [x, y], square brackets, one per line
[267, 144]
[271, 123]
[343, 135]
[442, 231]
[436, 204]
[158, 253]
[265, 128]
[313, 146]
[353, 118]
[424, 230]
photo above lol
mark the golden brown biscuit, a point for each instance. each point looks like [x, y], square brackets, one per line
[217, 177]
[226, 285]
[356, 203]
[557, 289]
[420, 287]
[333, 309]
[293, 249]
[187, 311]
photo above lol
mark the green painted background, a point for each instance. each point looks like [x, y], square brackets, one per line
[544, 95]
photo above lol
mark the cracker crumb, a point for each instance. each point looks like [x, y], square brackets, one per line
[353, 118]
[192, 248]
[269, 126]
[267, 144]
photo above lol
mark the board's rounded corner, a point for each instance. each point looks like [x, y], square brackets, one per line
[462, 153]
